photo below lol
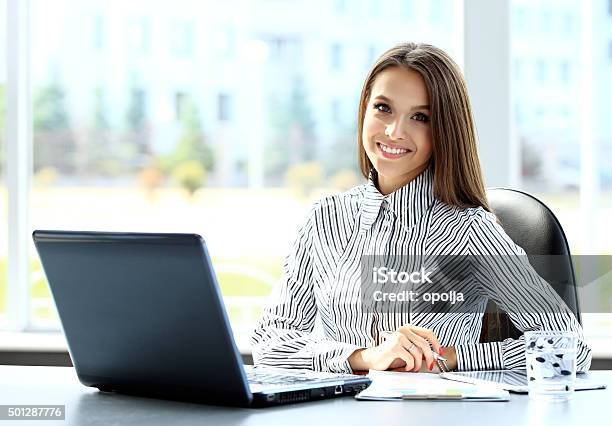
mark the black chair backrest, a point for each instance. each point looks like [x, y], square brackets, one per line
[534, 227]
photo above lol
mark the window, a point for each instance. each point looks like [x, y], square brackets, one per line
[540, 70]
[520, 19]
[568, 23]
[223, 42]
[518, 114]
[336, 57]
[370, 57]
[224, 113]
[278, 48]
[564, 72]
[436, 10]
[139, 34]
[179, 101]
[408, 10]
[98, 32]
[335, 111]
[374, 9]
[182, 38]
[339, 6]
[173, 130]
[549, 125]
[518, 69]
[546, 22]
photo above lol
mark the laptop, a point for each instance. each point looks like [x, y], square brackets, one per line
[143, 314]
[512, 380]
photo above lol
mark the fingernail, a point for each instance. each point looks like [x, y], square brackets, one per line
[431, 366]
[441, 351]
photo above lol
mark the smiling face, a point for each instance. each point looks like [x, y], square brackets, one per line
[396, 131]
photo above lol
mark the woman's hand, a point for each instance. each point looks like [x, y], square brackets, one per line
[406, 348]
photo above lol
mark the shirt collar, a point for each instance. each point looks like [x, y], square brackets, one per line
[408, 203]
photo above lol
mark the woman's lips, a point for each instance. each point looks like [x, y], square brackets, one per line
[392, 155]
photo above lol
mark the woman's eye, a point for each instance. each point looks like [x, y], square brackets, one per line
[419, 116]
[382, 107]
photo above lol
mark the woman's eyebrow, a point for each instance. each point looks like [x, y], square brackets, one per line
[386, 99]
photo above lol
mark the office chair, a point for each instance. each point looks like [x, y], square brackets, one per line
[534, 227]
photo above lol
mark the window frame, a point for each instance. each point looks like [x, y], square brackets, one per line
[19, 145]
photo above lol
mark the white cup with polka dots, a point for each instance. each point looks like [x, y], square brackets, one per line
[551, 364]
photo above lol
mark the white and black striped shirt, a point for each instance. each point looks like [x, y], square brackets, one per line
[315, 319]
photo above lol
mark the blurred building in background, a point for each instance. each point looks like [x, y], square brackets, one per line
[269, 83]
[546, 53]
[229, 118]
[272, 83]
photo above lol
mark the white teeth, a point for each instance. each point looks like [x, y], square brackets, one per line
[392, 150]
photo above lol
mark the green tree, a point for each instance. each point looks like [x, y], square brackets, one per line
[293, 138]
[134, 147]
[49, 109]
[301, 117]
[277, 150]
[192, 146]
[344, 179]
[102, 158]
[136, 114]
[190, 175]
[304, 178]
[54, 143]
[342, 154]
[100, 110]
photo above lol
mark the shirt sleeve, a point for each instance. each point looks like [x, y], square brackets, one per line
[505, 275]
[284, 336]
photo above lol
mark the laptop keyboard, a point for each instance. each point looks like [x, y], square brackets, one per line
[269, 376]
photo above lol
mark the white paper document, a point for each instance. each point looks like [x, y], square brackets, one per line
[400, 386]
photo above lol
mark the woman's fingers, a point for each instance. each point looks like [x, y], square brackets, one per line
[400, 350]
[397, 364]
[407, 357]
[428, 335]
[421, 343]
[408, 345]
[398, 369]
[414, 350]
[424, 347]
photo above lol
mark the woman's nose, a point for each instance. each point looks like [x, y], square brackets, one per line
[396, 130]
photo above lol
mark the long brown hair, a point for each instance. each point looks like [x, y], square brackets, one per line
[457, 174]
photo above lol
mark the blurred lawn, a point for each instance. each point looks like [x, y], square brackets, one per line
[232, 284]
[245, 269]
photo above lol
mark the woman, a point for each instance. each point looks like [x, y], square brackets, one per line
[424, 196]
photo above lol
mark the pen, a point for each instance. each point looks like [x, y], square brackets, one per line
[436, 356]
[440, 360]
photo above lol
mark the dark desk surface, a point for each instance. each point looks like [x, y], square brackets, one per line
[59, 385]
